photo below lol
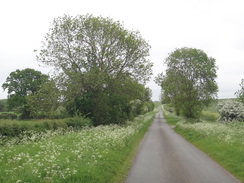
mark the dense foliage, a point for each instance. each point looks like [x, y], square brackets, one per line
[45, 102]
[21, 84]
[101, 67]
[189, 83]
[16, 129]
[231, 111]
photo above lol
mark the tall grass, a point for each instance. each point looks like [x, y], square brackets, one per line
[90, 155]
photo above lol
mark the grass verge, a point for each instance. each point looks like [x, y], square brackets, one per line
[121, 174]
[225, 147]
[170, 117]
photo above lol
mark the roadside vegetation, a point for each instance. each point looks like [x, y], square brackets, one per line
[221, 140]
[15, 131]
[97, 154]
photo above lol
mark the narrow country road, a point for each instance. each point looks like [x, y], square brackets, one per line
[166, 157]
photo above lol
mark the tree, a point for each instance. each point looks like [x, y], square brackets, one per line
[85, 43]
[240, 92]
[91, 54]
[189, 83]
[147, 96]
[20, 84]
[45, 101]
[111, 104]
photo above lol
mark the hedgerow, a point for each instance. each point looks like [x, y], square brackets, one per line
[6, 115]
[14, 128]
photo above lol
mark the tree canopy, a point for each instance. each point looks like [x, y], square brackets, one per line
[85, 43]
[20, 84]
[101, 66]
[189, 82]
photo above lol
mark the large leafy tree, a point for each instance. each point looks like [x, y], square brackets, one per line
[20, 84]
[189, 82]
[95, 58]
[85, 43]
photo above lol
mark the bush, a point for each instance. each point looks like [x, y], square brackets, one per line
[231, 111]
[78, 122]
[15, 128]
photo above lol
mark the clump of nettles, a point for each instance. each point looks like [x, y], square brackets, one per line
[231, 111]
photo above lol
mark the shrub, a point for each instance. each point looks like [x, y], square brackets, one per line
[13, 128]
[78, 122]
[231, 111]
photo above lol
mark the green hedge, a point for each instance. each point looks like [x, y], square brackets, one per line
[6, 115]
[14, 128]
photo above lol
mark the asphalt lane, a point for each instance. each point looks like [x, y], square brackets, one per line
[166, 157]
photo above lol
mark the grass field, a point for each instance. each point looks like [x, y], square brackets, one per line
[98, 154]
[223, 142]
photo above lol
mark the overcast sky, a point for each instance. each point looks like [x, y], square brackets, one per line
[214, 26]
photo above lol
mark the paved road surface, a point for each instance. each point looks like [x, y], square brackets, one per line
[166, 157]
